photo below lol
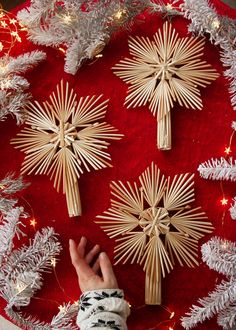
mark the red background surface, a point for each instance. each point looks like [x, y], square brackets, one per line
[196, 137]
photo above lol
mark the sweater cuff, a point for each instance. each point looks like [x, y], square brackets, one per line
[103, 309]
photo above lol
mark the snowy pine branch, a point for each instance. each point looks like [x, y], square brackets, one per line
[13, 98]
[11, 185]
[22, 63]
[9, 227]
[83, 28]
[26, 322]
[36, 257]
[222, 32]
[65, 319]
[218, 169]
[227, 318]
[220, 255]
[217, 301]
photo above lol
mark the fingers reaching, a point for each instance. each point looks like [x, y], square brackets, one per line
[81, 247]
[88, 276]
[107, 270]
[92, 253]
[82, 268]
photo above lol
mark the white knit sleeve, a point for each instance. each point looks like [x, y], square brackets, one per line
[103, 309]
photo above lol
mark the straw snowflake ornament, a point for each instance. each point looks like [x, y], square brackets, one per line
[63, 137]
[156, 224]
[162, 71]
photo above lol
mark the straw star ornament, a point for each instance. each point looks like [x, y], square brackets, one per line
[163, 71]
[64, 136]
[156, 224]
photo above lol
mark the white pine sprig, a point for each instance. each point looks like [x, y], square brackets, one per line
[36, 257]
[218, 169]
[11, 185]
[21, 269]
[233, 125]
[166, 10]
[83, 32]
[65, 319]
[26, 322]
[219, 255]
[222, 32]
[13, 95]
[9, 228]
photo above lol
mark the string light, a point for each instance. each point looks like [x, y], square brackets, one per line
[169, 7]
[62, 50]
[227, 150]
[62, 309]
[172, 315]
[224, 246]
[215, 23]
[21, 286]
[224, 201]
[9, 29]
[53, 262]
[66, 18]
[33, 222]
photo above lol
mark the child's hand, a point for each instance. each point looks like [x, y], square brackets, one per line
[88, 275]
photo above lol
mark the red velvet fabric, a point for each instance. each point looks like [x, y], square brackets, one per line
[197, 136]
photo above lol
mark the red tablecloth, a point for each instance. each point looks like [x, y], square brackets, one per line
[197, 136]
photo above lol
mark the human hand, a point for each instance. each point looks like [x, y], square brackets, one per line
[88, 277]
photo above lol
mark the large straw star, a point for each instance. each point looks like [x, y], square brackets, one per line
[156, 224]
[166, 70]
[64, 136]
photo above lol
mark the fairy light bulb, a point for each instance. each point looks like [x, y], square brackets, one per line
[9, 29]
[172, 315]
[62, 309]
[53, 262]
[215, 23]
[227, 150]
[169, 6]
[62, 50]
[33, 222]
[224, 201]
[67, 19]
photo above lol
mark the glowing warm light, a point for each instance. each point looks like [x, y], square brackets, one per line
[169, 6]
[5, 84]
[76, 303]
[62, 50]
[9, 28]
[99, 56]
[13, 21]
[224, 201]
[33, 222]
[66, 18]
[215, 24]
[20, 286]
[62, 309]
[172, 315]
[228, 150]
[119, 14]
[3, 24]
[170, 328]
[53, 262]
[224, 246]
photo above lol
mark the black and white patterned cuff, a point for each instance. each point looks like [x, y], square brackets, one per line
[103, 309]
